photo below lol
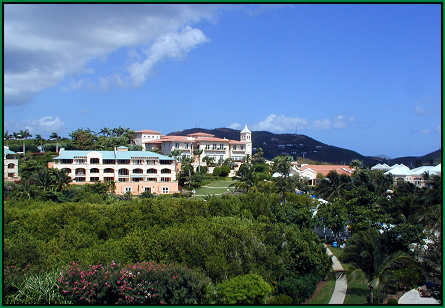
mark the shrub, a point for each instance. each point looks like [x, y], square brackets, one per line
[392, 301]
[281, 299]
[140, 283]
[222, 171]
[243, 289]
[299, 288]
[37, 289]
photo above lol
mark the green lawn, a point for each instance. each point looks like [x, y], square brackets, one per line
[325, 292]
[215, 187]
[357, 282]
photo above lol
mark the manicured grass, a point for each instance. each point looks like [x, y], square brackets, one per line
[357, 282]
[324, 291]
[215, 187]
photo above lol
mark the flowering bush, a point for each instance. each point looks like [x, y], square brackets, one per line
[140, 283]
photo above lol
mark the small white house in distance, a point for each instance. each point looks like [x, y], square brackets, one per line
[10, 165]
[380, 167]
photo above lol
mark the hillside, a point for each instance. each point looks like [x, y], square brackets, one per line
[304, 146]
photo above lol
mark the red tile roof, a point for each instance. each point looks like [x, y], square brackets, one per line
[325, 169]
[148, 131]
[175, 138]
[200, 134]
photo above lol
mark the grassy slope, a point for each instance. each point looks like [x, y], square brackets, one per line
[325, 292]
[215, 187]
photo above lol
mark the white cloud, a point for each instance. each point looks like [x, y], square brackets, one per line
[44, 44]
[171, 45]
[340, 121]
[322, 124]
[420, 110]
[43, 126]
[425, 131]
[283, 123]
[235, 126]
[280, 123]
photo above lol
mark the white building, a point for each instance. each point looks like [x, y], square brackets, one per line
[146, 135]
[10, 165]
[415, 176]
[211, 146]
[132, 171]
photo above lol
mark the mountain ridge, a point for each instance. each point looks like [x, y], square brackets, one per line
[298, 145]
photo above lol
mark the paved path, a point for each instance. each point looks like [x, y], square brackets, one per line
[341, 284]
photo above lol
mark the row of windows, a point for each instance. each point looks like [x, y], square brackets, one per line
[148, 189]
[135, 180]
[95, 161]
[81, 171]
[184, 146]
[79, 179]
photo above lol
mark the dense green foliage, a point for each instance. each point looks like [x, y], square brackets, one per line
[389, 225]
[223, 237]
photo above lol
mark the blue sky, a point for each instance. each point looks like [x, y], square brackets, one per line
[363, 77]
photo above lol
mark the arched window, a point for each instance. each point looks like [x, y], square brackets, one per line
[138, 171]
[152, 171]
[66, 170]
[109, 170]
[94, 170]
[11, 166]
[123, 171]
[166, 171]
[80, 171]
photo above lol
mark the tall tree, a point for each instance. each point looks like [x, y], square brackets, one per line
[282, 165]
[25, 134]
[83, 139]
[245, 177]
[198, 152]
[333, 215]
[365, 250]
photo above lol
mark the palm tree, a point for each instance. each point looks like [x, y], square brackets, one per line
[245, 178]
[210, 161]
[105, 132]
[198, 152]
[6, 135]
[16, 135]
[54, 136]
[59, 179]
[25, 134]
[366, 251]
[282, 165]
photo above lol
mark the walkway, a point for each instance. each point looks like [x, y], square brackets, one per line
[341, 284]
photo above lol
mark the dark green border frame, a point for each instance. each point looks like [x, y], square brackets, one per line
[441, 2]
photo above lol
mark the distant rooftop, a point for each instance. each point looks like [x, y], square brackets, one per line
[148, 131]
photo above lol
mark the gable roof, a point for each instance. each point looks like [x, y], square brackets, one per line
[325, 169]
[400, 170]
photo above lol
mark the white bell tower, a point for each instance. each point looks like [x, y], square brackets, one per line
[246, 136]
